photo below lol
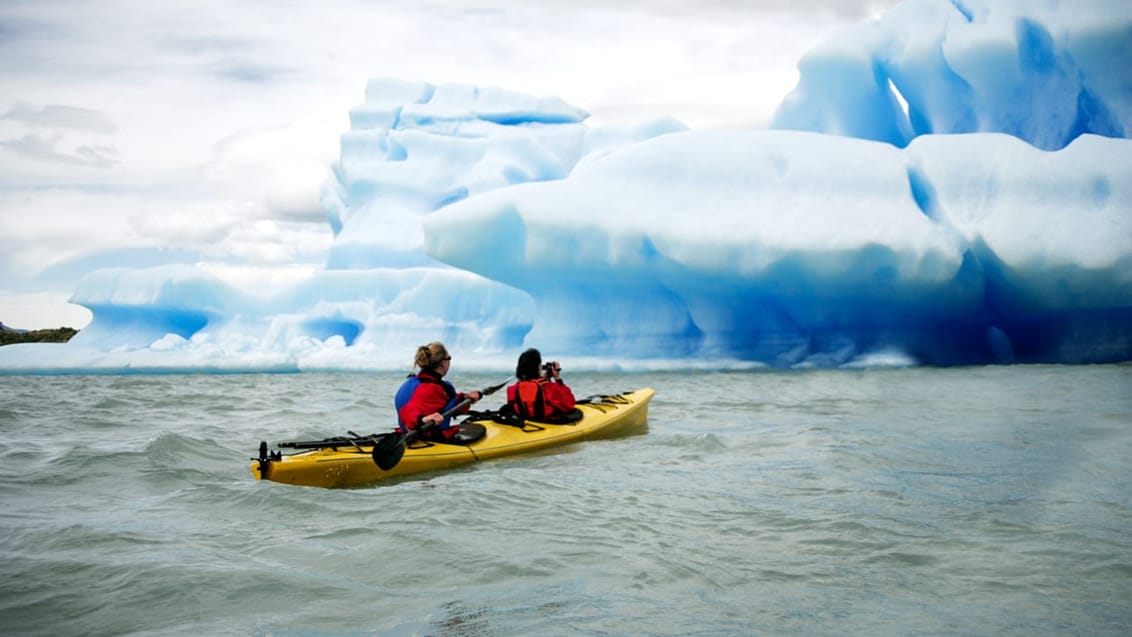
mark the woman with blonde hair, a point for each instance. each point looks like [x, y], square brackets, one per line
[424, 395]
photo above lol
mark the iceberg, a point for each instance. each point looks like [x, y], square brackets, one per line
[950, 184]
[947, 251]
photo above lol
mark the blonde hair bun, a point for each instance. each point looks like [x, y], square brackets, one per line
[431, 355]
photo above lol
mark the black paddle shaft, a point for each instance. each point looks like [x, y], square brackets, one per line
[388, 451]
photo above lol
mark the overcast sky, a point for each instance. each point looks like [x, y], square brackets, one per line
[136, 133]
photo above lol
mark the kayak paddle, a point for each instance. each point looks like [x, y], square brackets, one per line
[388, 451]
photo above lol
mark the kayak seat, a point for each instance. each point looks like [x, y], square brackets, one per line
[507, 416]
[574, 415]
[469, 433]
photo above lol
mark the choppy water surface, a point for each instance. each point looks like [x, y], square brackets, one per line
[975, 501]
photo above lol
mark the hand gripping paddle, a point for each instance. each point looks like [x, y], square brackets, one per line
[388, 451]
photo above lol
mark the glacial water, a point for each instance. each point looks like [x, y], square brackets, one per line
[964, 501]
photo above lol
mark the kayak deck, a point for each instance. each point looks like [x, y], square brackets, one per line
[348, 462]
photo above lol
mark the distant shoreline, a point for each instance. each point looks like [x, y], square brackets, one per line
[9, 336]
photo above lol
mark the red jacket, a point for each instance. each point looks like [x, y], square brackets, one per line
[431, 396]
[540, 399]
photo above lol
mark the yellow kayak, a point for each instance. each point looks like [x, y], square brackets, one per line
[350, 461]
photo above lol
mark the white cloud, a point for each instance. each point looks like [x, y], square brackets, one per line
[60, 116]
[51, 149]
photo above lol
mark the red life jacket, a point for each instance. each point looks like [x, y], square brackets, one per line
[530, 403]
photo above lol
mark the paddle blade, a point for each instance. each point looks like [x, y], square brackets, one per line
[388, 451]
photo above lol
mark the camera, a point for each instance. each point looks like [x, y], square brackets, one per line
[548, 368]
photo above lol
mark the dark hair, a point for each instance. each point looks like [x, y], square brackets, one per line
[529, 363]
